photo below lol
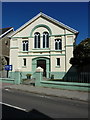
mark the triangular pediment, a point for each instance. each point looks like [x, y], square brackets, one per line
[48, 18]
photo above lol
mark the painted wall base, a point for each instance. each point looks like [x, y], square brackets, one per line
[58, 75]
[61, 85]
[7, 80]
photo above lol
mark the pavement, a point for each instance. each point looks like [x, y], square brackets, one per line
[69, 94]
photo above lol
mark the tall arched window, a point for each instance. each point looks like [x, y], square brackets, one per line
[45, 40]
[25, 45]
[37, 40]
[58, 44]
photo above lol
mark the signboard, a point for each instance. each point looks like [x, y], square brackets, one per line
[8, 67]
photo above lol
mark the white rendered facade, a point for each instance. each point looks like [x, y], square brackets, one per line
[43, 42]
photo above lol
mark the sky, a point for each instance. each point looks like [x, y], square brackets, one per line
[73, 14]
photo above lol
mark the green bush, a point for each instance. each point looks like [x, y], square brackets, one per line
[28, 76]
[52, 76]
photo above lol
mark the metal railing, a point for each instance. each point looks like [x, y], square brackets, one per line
[83, 77]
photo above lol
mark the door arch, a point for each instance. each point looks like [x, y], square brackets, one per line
[42, 62]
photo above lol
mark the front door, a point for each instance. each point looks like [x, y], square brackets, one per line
[42, 64]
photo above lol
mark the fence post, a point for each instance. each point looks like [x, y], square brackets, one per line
[38, 76]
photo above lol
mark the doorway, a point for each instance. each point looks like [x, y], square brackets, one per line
[42, 64]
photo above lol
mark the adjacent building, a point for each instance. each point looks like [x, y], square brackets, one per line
[45, 42]
[4, 49]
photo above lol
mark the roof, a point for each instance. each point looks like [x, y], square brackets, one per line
[4, 31]
[48, 18]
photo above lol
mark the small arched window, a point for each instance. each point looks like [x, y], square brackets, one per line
[58, 44]
[25, 45]
[37, 40]
[45, 40]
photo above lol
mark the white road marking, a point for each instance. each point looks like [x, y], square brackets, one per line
[43, 96]
[13, 106]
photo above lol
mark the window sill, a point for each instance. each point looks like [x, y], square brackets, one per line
[40, 48]
[24, 66]
[59, 50]
[57, 66]
[23, 51]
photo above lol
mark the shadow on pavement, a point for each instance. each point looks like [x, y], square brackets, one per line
[15, 114]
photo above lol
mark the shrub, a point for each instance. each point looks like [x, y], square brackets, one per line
[52, 76]
[28, 76]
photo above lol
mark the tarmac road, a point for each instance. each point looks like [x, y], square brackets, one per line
[19, 104]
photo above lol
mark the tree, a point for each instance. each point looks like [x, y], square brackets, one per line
[81, 53]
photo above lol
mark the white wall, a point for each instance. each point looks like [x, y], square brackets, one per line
[27, 30]
[17, 42]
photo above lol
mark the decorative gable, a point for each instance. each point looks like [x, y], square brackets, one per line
[42, 22]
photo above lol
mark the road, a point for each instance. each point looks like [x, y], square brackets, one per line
[18, 104]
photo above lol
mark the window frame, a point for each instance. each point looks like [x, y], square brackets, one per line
[25, 45]
[36, 40]
[58, 44]
[24, 62]
[45, 40]
[58, 62]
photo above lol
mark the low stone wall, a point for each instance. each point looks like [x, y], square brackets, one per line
[7, 80]
[62, 85]
[66, 85]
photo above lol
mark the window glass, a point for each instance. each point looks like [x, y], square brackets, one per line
[58, 44]
[58, 61]
[45, 40]
[24, 61]
[25, 45]
[37, 40]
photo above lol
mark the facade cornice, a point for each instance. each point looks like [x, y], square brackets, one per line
[57, 35]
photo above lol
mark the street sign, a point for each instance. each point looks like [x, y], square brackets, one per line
[8, 67]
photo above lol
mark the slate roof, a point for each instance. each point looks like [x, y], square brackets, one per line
[4, 31]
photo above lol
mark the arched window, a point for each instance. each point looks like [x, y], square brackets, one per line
[37, 40]
[58, 44]
[45, 40]
[25, 45]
